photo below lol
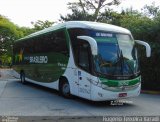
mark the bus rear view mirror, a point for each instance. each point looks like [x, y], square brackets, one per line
[92, 43]
[147, 46]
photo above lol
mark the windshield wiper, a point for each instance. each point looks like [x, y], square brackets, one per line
[121, 62]
[119, 59]
[129, 67]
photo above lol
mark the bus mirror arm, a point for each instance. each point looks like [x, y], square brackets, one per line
[147, 46]
[92, 43]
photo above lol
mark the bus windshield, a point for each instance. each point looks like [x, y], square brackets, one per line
[117, 55]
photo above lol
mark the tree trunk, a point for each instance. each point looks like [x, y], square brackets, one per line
[82, 6]
[98, 9]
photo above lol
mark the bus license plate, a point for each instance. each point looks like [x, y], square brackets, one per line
[122, 95]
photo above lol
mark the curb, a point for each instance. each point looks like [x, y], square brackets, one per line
[150, 92]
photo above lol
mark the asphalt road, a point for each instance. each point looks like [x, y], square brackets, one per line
[17, 99]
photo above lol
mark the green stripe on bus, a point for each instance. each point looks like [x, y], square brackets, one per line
[117, 83]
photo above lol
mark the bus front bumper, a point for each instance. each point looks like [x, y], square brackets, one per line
[100, 94]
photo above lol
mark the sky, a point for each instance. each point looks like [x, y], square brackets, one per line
[23, 12]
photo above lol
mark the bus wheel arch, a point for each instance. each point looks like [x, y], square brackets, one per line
[64, 87]
[22, 76]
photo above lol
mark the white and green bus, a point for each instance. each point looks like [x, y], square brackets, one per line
[95, 61]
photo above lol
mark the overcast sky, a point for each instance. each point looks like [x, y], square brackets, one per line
[22, 12]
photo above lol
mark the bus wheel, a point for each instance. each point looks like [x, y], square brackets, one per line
[65, 89]
[22, 77]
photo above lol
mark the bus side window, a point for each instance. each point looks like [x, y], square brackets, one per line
[61, 43]
[52, 42]
[83, 55]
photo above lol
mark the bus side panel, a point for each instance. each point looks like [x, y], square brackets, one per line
[43, 58]
[53, 67]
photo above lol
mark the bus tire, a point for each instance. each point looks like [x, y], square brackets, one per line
[22, 77]
[64, 88]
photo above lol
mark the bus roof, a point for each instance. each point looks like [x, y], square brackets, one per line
[81, 24]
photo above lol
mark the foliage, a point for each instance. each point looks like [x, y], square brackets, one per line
[40, 25]
[151, 10]
[25, 30]
[77, 15]
[8, 33]
[88, 9]
[6, 59]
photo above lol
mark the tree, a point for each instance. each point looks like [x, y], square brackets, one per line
[40, 25]
[110, 16]
[77, 15]
[88, 8]
[25, 30]
[151, 10]
[8, 33]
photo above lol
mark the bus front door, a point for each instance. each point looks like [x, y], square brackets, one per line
[84, 69]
